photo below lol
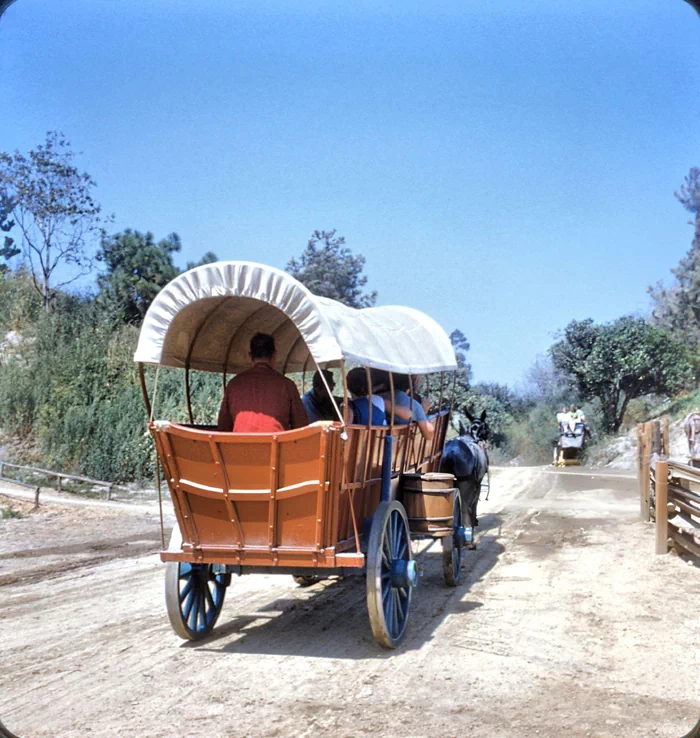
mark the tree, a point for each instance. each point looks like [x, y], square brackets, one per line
[677, 308]
[616, 362]
[8, 249]
[462, 381]
[209, 258]
[52, 206]
[137, 269]
[328, 268]
[545, 384]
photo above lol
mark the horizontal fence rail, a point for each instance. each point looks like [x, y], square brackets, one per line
[677, 507]
[669, 491]
[60, 476]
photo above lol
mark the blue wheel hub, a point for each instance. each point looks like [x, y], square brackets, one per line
[404, 573]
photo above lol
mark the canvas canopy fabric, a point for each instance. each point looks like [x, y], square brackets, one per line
[204, 319]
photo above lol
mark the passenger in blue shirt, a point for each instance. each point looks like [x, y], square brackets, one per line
[403, 413]
[359, 404]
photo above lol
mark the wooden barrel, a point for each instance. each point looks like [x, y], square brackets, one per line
[429, 502]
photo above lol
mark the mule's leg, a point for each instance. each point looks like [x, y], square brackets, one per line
[469, 492]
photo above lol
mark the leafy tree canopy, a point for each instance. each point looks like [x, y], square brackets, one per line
[52, 206]
[138, 267]
[329, 269]
[464, 370]
[677, 308]
[209, 258]
[616, 362]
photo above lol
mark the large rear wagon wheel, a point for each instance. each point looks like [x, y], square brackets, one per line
[452, 547]
[391, 574]
[194, 596]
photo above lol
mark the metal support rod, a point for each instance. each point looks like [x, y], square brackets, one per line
[369, 396]
[330, 394]
[187, 395]
[144, 389]
[346, 404]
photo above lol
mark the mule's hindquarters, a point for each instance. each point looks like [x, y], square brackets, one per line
[469, 490]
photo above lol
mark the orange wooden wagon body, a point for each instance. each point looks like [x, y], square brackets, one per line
[314, 501]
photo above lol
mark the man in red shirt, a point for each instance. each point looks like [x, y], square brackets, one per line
[260, 399]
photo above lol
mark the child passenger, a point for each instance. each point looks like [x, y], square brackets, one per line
[359, 404]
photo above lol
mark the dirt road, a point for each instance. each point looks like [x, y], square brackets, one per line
[566, 625]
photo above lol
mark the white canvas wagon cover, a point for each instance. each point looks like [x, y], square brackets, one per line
[204, 319]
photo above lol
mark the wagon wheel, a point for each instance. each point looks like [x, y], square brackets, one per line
[391, 574]
[304, 581]
[452, 547]
[194, 595]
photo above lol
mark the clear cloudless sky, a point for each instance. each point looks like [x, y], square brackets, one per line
[504, 166]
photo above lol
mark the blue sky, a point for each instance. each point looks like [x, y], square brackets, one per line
[505, 167]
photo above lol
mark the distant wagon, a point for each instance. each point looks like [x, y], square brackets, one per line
[570, 445]
[332, 498]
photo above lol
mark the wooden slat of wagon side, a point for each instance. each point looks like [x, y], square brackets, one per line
[321, 496]
[230, 503]
[178, 493]
[274, 481]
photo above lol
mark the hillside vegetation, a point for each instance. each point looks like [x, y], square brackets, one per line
[69, 395]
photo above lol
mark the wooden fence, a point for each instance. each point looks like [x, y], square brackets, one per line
[669, 492]
[60, 476]
[652, 439]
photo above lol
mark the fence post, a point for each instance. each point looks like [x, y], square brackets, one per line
[661, 507]
[36, 497]
[640, 467]
[60, 487]
[656, 438]
[109, 492]
[666, 450]
[648, 430]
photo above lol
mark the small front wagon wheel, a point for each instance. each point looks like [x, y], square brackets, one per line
[391, 574]
[452, 546]
[194, 595]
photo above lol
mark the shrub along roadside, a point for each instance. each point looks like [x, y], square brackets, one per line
[69, 388]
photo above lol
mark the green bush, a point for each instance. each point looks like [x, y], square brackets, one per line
[70, 387]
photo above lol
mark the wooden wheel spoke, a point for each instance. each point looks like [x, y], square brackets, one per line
[397, 611]
[187, 588]
[389, 611]
[188, 604]
[209, 599]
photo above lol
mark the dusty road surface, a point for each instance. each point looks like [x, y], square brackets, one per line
[566, 625]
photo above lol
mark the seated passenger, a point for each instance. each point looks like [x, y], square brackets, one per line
[359, 404]
[575, 417]
[403, 413]
[260, 399]
[317, 401]
[563, 420]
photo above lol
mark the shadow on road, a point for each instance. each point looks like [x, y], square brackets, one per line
[329, 619]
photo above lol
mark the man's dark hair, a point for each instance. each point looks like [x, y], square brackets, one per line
[262, 346]
[357, 382]
[401, 382]
[318, 385]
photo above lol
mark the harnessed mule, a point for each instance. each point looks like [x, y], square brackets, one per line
[691, 426]
[466, 459]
